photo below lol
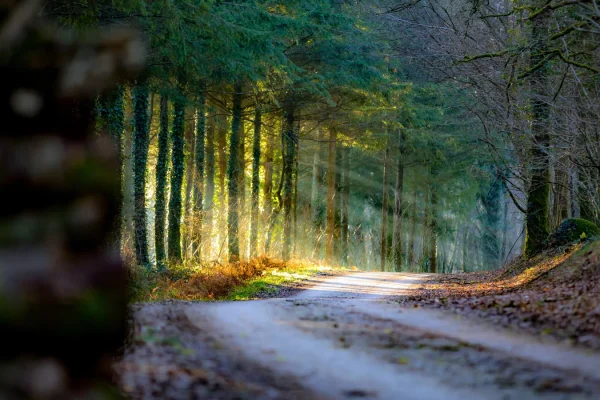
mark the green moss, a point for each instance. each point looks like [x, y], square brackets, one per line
[272, 281]
[571, 230]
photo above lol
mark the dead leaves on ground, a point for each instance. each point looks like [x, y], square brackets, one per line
[556, 293]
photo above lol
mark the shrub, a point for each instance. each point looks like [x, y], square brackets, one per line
[571, 230]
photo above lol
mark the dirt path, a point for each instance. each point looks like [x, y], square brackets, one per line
[342, 338]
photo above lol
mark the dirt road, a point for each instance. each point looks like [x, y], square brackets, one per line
[343, 337]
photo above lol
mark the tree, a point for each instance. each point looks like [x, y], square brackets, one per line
[289, 156]
[539, 185]
[199, 157]
[255, 182]
[345, 205]
[331, 191]
[177, 170]
[384, 210]
[162, 169]
[233, 172]
[141, 140]
[397, 234]
[210, 181]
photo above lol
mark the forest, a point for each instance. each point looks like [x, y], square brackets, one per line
[413, 137]
[259, 147]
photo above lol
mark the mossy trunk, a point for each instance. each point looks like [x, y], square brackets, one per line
[177, 170]
[233, 173]
[539, 186]
[433, 233]
[112, 113]
[337, 246]
[331, 203]
[413, 230]
[210, 185]
[199, 155]
[116, 121]
[190, 173]
[141, 140]
[254, 222]
[318, 206]
[242, 225]
[221, 122]
[560, 206]
[397, 231]
[162, 166]
[295, 198]
[289, 157]
[268, 189]
[345, 205]
[426, 227]
[465, 252]
[490, 221]
[384, 210]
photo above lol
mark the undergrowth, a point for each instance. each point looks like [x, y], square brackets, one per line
[242, 280]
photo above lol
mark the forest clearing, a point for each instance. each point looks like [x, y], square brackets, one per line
[299, 199]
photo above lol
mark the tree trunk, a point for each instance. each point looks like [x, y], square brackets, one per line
[539, 187]
[233, 174]
[221, 123]
[465, 249]
[141, 141]
[433, 233]
[345, 205]
[254, 223]
[162, 166]
[209, 189]
[337, 245]
[199, 176]
[318, 206]
[426, 232]
[189, 163]
[190, 173]
[331, 192]
[177, 165]
[289, 140]
[413, 230]
[242, 234]
[268, 189]
[384, 209]
[296, 177]
[115, 125]
[397, 232]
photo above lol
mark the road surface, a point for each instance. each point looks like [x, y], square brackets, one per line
[343, 337]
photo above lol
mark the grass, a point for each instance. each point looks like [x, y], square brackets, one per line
[272, 280]
[244, 280]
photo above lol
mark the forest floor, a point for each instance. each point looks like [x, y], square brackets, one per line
[555, 294]
[346, 337]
